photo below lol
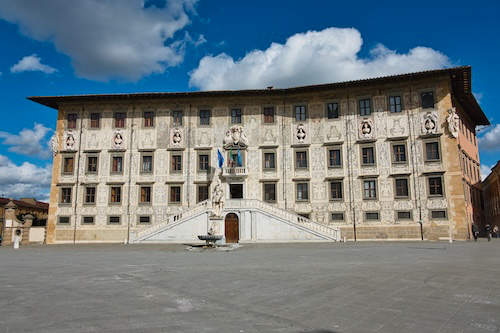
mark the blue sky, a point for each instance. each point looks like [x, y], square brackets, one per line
[93, 46]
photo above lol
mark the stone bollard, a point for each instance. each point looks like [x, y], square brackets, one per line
[28, 222]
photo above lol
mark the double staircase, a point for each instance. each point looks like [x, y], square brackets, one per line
[320, 230]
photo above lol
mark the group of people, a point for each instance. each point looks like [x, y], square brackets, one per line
[489, 231]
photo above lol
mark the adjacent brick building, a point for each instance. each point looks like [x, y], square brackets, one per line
[491, 198]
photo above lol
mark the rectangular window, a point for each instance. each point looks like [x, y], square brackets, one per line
[90, 192]
[432, 151]
[436, 186]
[177, 118]
[300, 113]
[269, 115]
[176, 163]
[149, 119]
[368, 155]
[116, 194]
[91, 164]
[365, 107]
[95, 120]
[427, 100]
[72, 120]
[302, 192]
[205, 117]
[87, 220]
[63, 220]
[401, 185]
[332, 110]
[404, 215]
[270, 192]
[371, 216]
[236, 116]
[301, 159]
[334, 159]
[117, 164]
[370, 189]
[68, 165]
[175, 194]
[114, 220]
[144, 219]
[269, 161]
[438, 214]
[145, 194]
[147, 164]
[336, 190]
[395, 103]
[337, 216]
[66, 195]
[120, 119]
[203, 162]
[399, 153]
[202, 193]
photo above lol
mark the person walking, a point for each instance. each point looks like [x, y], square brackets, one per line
[487, 228]
[475, 231]
[496, 231]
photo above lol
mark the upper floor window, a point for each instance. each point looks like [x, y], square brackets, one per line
[145, 194]
[203, 162]
[235, 158]
[205, 117]
[435, 186]
[269, 161]
[432, 151]
[401, 186]
[334, 158]
[302, 191]
[66, 195]
[427, 99]
[367, 155]
[72, 120]
[117, 164]
[332, 110]
[68, 165]
[95, 120]
[300, 113]
[236, 116]
[177, 118]
[301, 159]
[92, 164]
[270, 192]
[395, 103]
[149, 119]
[176, 163]
[90, 192]
[399, 153]
[175, 194]
[120, 119]
[202, 192]
[370, 189]
[365, 108]
[147, 164]
[269, 115]
[115, 194]
[336, 190]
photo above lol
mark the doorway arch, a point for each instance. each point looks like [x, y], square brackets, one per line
[231, 228]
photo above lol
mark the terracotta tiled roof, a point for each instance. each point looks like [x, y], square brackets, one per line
[20, 203]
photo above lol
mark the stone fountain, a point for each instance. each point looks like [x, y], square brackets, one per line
[215, 219]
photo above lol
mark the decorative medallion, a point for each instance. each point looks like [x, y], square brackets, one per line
[69, 141]
[366, 129]
[453, 122]
[176, 137]
[429, 123]
[300, 133]
[235, 137]
[118, 142]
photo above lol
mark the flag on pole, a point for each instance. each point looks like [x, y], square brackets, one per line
[240, 162]
[220, 158]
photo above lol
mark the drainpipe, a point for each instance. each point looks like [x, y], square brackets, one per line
[349, 172]
[78, 173]
[130, 173]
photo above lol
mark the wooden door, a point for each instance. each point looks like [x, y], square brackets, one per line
[231, 228]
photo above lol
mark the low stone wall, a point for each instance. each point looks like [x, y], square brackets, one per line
[431, 231]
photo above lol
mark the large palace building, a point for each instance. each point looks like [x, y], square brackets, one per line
[380, 159]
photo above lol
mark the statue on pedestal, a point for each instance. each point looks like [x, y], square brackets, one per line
[218, 198]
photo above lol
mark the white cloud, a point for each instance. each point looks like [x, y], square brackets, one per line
[485, 171]
[314, 57]
[105, 39]
[31, 64]
[28, 142]
[478, 96]
[25, 180]
[491, 139]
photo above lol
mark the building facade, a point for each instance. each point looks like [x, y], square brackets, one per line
[374, 159]
[490, 198]
[12, 217]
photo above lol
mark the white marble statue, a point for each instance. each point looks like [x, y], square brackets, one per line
[218, 198]
[69, 141]
[453, 122]
[301, 132]
[176, 136]
[118, 140]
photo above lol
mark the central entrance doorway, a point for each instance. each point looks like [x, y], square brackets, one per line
[236, 191]
[231, 228]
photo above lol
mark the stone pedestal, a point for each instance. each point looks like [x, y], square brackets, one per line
[215, 226]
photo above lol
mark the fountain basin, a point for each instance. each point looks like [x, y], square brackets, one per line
[210, 239]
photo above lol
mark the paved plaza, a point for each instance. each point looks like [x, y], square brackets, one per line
[308, 287]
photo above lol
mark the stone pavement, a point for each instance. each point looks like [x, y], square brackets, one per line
[307, 287]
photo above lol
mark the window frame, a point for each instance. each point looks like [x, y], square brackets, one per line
[438, 218]
[233, 113]
[297, 191]
[393, 153]
[264, 184]
[438, 144]
[140, 199]
[59, 217]
[208, 112]
[198, 192]
[145, 119]
[330, 193]
[110, 200]
[70, 121]
[365, 146]
[268, 152]
[147, 154]
[429, 91]
[429, 177]
[172, 158]
[327, 110]
[393, 96]
[115, 119]
[268, 107]
[114, 223]
[337, 220]
[112, 156]
[87, 164]
[297, 167]
[62, 195]
[88, 223]
[365, 215]
[198, 157]
[86, 195]
[176, 123]
[375, 180]
[139, 222]
[334, 148]
[91, 126]
[63, 168]
[410, 218]
[170, 187]
[370, 106]
[396, 196]
[305, 113]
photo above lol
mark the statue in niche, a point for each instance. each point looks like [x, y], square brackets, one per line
[301, 133]
[118, 140]
[366, 129]
[70, 141]
[54, 144]
[429, 123]
[453, 122]
[218, 198]
[235, 136]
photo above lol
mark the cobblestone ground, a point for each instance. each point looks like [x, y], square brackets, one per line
[321, 287]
